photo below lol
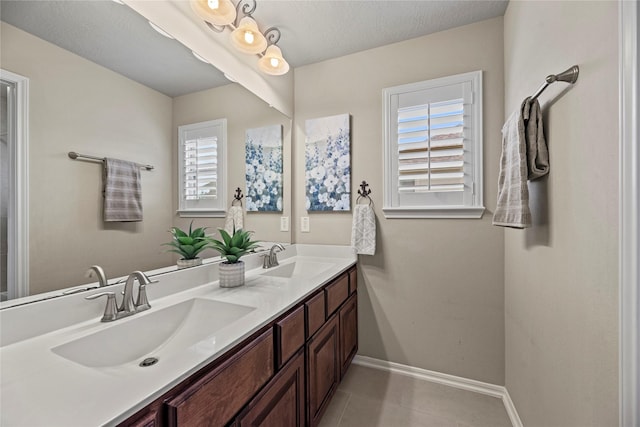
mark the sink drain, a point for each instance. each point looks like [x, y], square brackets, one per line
[149, 361]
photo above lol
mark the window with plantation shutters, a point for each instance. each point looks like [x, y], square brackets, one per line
[433, 148]
[202, 168]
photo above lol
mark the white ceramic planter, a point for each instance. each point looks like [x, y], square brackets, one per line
[231, 274]
[186, 263]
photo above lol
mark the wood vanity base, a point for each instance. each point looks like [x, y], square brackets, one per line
[284, 375]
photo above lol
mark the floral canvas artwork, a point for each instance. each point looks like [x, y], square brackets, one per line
[263, 158]
[328, 164]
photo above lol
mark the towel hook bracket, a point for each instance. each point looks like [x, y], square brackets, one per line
[237, 197]
[364, 192]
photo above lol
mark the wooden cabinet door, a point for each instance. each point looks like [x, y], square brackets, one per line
[323, 369]
[281, 402]
[348, 332]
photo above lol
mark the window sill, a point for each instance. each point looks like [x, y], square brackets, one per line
[204, 213]
[435, 212]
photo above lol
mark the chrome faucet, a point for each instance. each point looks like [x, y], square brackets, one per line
[102, 278]
[271, 259]
[127, 307]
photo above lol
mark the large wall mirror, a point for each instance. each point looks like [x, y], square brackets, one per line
[76, 104]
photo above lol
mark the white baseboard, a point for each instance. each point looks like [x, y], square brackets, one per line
[511, 409]
[446, 379]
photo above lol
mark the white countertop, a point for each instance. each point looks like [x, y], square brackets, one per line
[41, 388]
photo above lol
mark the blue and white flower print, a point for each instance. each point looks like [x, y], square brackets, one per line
[264, 169]
[328, 164]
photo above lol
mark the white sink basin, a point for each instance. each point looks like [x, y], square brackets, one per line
[152, 333]
[298, 269]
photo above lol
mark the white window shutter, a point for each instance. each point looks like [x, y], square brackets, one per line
[433, 148]
[430, 147]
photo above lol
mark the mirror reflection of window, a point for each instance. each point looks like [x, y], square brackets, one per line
[202, 175]
[6, 89]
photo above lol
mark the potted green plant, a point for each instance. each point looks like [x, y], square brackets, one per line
[232, 247]
[189, 245]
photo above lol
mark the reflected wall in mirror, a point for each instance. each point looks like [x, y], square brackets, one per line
[77, 105]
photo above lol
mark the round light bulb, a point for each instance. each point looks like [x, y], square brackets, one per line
[213, 4]
[274, 62]
[249, 37]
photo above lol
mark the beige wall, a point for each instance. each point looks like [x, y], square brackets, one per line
[243, 110]
[562, 274]
[76, 105]
[432, 296]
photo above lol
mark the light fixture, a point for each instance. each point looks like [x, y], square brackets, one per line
[247, 38]
[245, 34]
[216, 12]
[272, 62]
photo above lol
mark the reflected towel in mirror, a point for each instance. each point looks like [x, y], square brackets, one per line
[122, 191]
[235, 216]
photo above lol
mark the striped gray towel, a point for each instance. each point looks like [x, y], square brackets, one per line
[512, 209]
[122, 191]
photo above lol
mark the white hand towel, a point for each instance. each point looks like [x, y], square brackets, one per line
[122, 191]
[363, 230]
[234, 218]
[512, 209]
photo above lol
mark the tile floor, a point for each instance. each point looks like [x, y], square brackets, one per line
[370, 397]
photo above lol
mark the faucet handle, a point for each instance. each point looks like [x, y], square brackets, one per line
[110, 310]
[266, 260]
[142, 303]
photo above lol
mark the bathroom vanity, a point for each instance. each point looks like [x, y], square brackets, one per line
[320, 333]
[269, 353]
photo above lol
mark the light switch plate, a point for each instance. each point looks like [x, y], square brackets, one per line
[304, 224]
[284, 223]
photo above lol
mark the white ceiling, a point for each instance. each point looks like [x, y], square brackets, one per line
[117, 38]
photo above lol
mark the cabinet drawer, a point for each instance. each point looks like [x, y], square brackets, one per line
[336, 293]
[219, 395]
[289, 336]
[281, 402]
[353, 281]
[315, 313]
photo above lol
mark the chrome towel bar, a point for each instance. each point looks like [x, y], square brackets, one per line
[73, 155]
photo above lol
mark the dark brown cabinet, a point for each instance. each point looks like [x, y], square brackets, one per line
[281, 403]
[323, 368]
[284, 375]
[348, 333]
